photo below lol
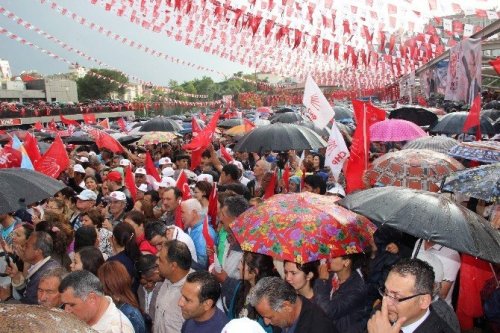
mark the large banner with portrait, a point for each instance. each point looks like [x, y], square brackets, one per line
[433, 80]
[464, 71]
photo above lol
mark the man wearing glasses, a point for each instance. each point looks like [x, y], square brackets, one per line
[407, 297]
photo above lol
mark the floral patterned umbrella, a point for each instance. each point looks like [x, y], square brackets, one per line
[419, 169]
[156, 138]
[482, 151]
[482, 182]
[302, 227]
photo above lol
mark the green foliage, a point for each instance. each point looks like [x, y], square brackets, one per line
[91, 87]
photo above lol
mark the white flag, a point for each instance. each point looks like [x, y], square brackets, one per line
[336, 151]
[319, 111]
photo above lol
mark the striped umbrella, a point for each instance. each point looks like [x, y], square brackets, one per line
[440, 144]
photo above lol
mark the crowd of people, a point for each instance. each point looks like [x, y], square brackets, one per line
[143, 265]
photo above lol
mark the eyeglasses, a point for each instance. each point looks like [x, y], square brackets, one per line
[397, 300]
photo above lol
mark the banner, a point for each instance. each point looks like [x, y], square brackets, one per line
[464, 71]
[433, 80]
[318, 110]
[336, 151]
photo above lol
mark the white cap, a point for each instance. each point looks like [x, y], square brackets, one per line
[206, 177]
[168, 172]
[165, 161]
[124, 162]
[87, 195]
[82, 159]
[337, 189]
[78, 168]
[243, 325]
[143, 188]
[140, 171]
[166, 182]
[92, 153]
[118, 196]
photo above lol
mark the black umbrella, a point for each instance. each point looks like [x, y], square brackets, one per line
[496, 126]
[283, 110]
[279, 137]
[453, 123]
[128, 139]
[429, 216]
[228, 123]
[21, 187]
[492, 105]
[419, 116]
[317, 130]
[492, 114]
[79, 140]
[286, 117]
[39, 319]
[161, 124]
[342, 113]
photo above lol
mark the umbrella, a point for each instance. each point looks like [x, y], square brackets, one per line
[342, 113]
[286, 117]
[482, 182]
[160, 124]
[153, 138]
[322, 132]
[440, 144]
[492, 105]
[419, 116]
[412, 168]
[453, 123]
[21, 187]
[496, 126]
[79, 140]
[125, 139]
[38, 319]
[492, 114]
[302, 227]
[390, 130]
[429, 216]
[239, 130]
[284, 110]
[279, 137]
[482, 151]
[228, 123]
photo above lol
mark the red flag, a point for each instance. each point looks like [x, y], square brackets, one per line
[54, 161]
[38, 126]
[495, 63]
[10, 157]
[200, 143]
[366, 115]
[194, 125]
[150, 167]
[203, 117]
[182, 184]
[474, 117]
[31, 146]
[104, 140]
[178, 216]
[286, 177]
[212, 205]
[208, 240]
[130, 182]
[225, 154]
[421, 101]
[123, 125]
[270, 187]
[52, 125]
[89, 118]
[68, 122]
[248, 125]
[104, 123]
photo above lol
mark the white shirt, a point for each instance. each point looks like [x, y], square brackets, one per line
[412, 327]
[113, 320]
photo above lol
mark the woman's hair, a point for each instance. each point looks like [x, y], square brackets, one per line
[204, 187]
[60, 205]
[85, 236]
[92, 177]
[95, 216]
[117, 282]
[136, 216]
[61, 234]
[359, 261]
[257, 263]
[124, 236]
[27, 229]
[91, 258]
[310, 267]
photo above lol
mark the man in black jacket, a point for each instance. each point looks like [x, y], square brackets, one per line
[407, 298]
[279, 305]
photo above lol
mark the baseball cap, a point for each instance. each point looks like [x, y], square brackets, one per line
[140, 171]
[82, 159]
[337, 190]
[165, 161]
[168, 172]
[87, 195]
[166, 182]
[114, 176]
[124, 162]
[78, 168]
[205, 177]
[117, 195]
[143, 188]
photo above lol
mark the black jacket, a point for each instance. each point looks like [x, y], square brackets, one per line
[313, 319]
[433, 324]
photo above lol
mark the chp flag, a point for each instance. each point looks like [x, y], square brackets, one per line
[318, 109]
[336, 151]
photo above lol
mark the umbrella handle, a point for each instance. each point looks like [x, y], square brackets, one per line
[495, 275]
[417, 250]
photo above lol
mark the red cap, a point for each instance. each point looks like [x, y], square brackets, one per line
[114, 176]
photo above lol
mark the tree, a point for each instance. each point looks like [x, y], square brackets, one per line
[93, 87]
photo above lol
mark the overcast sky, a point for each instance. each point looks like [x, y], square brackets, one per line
[129, 60]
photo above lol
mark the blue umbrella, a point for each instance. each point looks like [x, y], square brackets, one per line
[482, 151]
